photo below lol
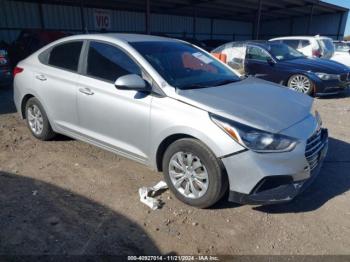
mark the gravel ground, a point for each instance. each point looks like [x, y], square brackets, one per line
[67, 197]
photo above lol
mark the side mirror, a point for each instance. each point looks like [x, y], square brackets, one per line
[132, 82]
[270, 61]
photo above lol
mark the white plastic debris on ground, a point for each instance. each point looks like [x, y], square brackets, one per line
[147, 194]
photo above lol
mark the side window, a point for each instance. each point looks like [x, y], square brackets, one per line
[66, 55]
[235, 56]
[108, 62]
[257, 53]
[304, 43]
[292, 43]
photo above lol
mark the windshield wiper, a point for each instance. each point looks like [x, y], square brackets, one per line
[225, 82]
[194, 86]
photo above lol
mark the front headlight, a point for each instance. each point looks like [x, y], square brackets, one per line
[255, 139]
[325, 76]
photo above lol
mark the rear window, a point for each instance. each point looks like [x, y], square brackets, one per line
[326, 44]
[304, 43]
[292, 43]
[66, 56]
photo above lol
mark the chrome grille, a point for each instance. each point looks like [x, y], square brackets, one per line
[313, 147]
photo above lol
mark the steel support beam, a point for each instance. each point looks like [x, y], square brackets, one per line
[341, 16]
[194, 20]
[41, 16]
[291, 26]
[148, 17]
[309, 22]
[257, 21]
[82, 17]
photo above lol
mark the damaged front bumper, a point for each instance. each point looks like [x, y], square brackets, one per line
[278, 184]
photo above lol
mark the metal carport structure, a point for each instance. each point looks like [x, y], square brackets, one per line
[228, 19]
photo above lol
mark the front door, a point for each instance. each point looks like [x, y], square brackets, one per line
[115, 119]
[256, 63]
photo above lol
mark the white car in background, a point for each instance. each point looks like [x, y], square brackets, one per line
[311, 46]
[342, 53]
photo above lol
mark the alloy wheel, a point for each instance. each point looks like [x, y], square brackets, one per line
[300, 83]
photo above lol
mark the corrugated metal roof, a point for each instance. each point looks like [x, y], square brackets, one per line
[224, 9]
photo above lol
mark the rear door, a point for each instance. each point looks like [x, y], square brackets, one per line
[113, 118]
[56, 82]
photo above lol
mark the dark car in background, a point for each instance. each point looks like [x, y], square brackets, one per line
[5, 65]
[30, 41]
[282, 64]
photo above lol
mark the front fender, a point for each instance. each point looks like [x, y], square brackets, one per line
[169, 118]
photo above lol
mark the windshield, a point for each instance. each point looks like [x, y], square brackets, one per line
[341, 47]
[283, 52]
[184, 66]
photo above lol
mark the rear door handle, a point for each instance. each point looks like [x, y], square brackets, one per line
[41, 77]
[86, 91]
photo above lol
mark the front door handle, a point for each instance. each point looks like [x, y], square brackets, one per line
[86, 91]
[40, 77]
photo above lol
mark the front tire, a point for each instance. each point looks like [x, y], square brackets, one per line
[301, 83]
[37, 120]
[193, 173]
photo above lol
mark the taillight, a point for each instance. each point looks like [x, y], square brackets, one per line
[17, 70]
[316, 53]
[3, 60]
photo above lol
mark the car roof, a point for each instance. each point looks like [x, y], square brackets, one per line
[130, 38]
[300, 37]
[260, 43]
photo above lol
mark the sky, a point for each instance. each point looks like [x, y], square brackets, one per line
[345, 3]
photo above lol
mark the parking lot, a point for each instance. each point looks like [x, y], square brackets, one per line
[67, 197]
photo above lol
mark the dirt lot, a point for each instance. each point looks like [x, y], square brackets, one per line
[67, 197]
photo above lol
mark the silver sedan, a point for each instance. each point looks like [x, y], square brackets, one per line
[175, 108]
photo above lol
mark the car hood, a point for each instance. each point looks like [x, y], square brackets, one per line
[254, 102]
[317, 65]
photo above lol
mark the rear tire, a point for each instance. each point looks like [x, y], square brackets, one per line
[37, 120]
[193, 173]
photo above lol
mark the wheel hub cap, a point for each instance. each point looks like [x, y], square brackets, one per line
[35, 119]
[188, 175]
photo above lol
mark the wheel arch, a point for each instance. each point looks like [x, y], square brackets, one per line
[24, 101]
[23, 104]
[166, 142]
